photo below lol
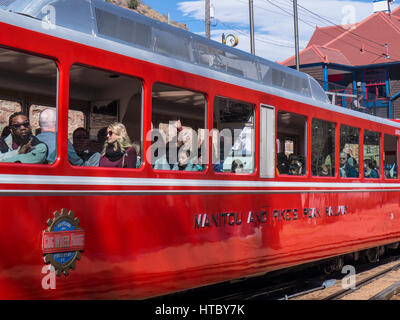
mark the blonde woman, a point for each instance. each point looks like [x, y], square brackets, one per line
[118, 150]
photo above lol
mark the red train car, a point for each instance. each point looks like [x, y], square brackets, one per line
[283, 177]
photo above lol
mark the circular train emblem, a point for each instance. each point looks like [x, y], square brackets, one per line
[63, 242]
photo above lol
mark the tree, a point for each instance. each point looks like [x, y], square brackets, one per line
[133, 4]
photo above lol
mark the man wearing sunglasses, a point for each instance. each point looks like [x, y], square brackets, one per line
[20, 145]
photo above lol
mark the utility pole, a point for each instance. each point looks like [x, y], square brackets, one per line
[251, 13]
[296, 34]
[207, 18]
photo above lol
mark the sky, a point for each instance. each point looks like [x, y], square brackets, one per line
[273, 20]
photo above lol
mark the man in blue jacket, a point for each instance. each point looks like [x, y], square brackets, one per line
[20, 145]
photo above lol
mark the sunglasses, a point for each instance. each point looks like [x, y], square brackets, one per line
[110, 133]
[19, 125]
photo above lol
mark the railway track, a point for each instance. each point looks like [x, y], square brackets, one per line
[305, 284]
[361, 284]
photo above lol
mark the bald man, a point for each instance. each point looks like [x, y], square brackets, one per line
[47, 123]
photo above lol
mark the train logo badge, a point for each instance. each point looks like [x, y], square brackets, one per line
[63, 242]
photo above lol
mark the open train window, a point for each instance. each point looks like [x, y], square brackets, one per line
[179, 129]
[291, 141]
[390, 156]
[349, 157]
[233, 136]
[323, 144]
[372, 154]
[25, 78]
[106, 118]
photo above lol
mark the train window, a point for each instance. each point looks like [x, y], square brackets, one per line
[390, 157]
[105, 119]
[178, 135]
[291, 143]
[25, 77]
[323, 148]
[372, 153]
[233, 136]
[349, 152]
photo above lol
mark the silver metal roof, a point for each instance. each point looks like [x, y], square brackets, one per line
[98, 18]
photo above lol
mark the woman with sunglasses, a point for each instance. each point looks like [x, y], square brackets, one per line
[118, 150]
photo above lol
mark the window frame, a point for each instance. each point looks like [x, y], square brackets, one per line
[380, 155]
[335, 153]
[88, 112]
[26, 101]
[206, 138]
[397, 156]
[306, 144]
[256, 155]
[360, 153]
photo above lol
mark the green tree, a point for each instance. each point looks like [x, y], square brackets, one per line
[133, 4]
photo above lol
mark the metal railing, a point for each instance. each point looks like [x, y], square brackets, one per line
[345, 97]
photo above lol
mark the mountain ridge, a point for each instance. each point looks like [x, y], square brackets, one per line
[146, 10]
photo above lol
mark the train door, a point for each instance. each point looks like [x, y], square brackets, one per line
[267, 142]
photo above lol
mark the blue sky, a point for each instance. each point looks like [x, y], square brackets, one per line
[273, 20]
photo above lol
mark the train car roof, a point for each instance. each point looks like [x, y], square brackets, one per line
[102, 25]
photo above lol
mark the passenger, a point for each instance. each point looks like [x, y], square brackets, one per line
[376, 167]
[184, 163]
[102, 135]
[97, 146]
[81, 143]
[343, 162]
[282, 163]
[20, 145]
[237, 166]
[47, 123]
[326, 168]
[201, 146]
[295, 165]
[391, 171]
[352, 168]
[294, 169]
[175, 142]
[369, 172]
[118, 150]
[324, 171]
[217, 163]
[160, 162]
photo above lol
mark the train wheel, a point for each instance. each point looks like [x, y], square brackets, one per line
[339, 263]
[331, 266]
[372, 255]
[327, 269]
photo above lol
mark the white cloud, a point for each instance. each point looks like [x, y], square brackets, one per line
[274, 25]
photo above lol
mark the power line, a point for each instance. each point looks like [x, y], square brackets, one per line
[257, 39]
[288, 13]
[276, 43]
[323, 31]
